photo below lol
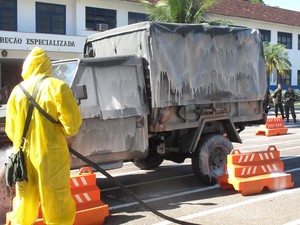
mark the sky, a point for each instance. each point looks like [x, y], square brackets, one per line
[286, 4]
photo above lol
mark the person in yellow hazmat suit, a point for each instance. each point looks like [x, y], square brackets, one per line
[47, 155]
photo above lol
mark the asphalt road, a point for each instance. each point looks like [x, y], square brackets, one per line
[173, 190]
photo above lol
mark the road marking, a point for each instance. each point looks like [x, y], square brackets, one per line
[124, 174]
[292, 170]
[295, 222]
[247, 137]
[166, 197]
[232, 206]
[149, 182]
[290, 157]
[175, 177]
[188, 163]
[281, 149]
[290, 148]
[143, 171]
[180, 194]
[276, 143]
[260, 138]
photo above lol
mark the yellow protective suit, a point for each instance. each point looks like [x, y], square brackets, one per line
[47, 155]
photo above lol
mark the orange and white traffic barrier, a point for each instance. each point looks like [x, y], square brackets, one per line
[250, 173]
[274, 126]
[84, 188]
[90, 210]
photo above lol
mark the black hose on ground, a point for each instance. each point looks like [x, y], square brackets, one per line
[126, 190]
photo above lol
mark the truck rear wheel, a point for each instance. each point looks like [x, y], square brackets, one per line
[151, 162]
[210, 157]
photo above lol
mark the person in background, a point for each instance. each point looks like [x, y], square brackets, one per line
[290, 99]
[266, 103]
[4, 94]
[46, 150]
[277, 96]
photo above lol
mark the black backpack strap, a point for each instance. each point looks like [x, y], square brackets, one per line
[34, 103]
[30, 110]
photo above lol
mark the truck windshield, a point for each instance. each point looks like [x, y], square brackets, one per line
[65, 71]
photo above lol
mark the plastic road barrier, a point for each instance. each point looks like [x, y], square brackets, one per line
[90, 210]
[274, 126]
[250, 173]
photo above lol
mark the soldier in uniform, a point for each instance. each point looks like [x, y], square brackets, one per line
[277, 96]
[290, 98]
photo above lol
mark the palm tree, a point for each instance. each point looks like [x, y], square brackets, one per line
[178, 11]
[276, 57]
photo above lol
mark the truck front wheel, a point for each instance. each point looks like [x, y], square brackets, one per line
[210, 157]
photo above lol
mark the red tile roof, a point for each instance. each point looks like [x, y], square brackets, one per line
[247, 10]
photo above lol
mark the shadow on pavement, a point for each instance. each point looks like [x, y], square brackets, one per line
[120, 219]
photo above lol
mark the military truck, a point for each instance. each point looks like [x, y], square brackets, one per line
[152, 91]
[4, 140]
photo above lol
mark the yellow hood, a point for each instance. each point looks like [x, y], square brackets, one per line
[36, 63]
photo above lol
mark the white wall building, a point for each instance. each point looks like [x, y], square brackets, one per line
[60, 27]
[276, 25]
[34, 16]
[294, 53]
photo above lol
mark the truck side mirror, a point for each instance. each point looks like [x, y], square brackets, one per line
[80, 92]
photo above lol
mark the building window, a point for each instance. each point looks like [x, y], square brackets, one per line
[50, 18]
[298, 77]
[298, 41]
[136, 17]
[100, 19]
[8, 15]
[265, 35]
[285, 39]
[284, 79]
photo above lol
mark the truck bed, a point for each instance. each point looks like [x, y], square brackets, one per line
[190, 64]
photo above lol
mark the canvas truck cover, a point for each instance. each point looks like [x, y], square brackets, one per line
[190, 64]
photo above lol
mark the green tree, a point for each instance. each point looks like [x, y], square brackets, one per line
[276, 57]
[257, 1]
[178, 11]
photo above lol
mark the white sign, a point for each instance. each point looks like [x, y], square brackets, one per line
[49, 42]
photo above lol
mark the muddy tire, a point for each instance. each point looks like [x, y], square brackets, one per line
[210, 157]
[149, 163]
